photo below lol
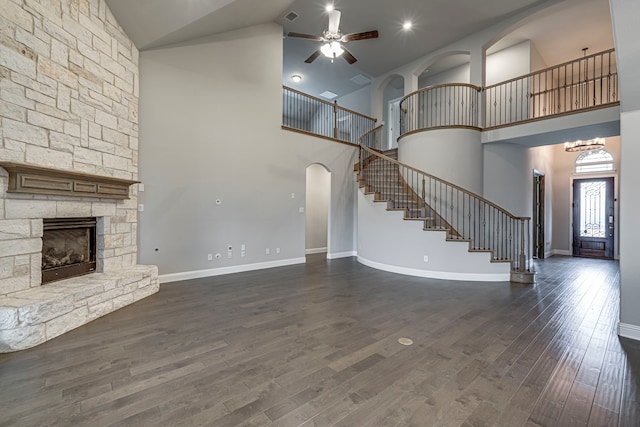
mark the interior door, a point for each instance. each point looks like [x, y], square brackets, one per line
[593, 217]
[538, 215]
[394, 122]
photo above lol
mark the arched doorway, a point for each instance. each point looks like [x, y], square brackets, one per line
[318, 201]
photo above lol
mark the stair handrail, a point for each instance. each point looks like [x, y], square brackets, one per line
[443, 181]
[373, 133]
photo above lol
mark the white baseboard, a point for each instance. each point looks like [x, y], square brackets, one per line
[629, 331]
[560, 252]
[337, 255]
[445, 275]
[187, 275]
[315, 251]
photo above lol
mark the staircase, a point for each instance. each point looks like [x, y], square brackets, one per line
[386, 184]
[441, 206]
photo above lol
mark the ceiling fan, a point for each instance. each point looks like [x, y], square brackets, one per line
[333, 40]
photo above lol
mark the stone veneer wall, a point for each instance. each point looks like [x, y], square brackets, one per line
[68, 100]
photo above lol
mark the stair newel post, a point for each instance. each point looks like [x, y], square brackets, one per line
[424, 197]
[522, 259]
[335, 119]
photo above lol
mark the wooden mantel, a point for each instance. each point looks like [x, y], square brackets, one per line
[27, 179]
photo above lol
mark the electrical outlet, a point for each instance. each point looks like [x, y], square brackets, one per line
[242, 247]
[267, 251]
[293, 195]
[301, 209]
[229, 254]
[277, 250]
[210, 257]
[140, 207]
[426, 258]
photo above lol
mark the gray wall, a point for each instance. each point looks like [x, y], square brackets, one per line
[210, 129]
[318, 197]
[508, 63]
[460, 74]
[454, 155]
[359, 101]
[388, 242]
[508, 180]
[624, 14]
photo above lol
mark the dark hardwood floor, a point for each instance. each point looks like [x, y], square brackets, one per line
[317, 345]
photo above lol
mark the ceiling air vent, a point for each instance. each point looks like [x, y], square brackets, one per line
[328, 94]
[360, 79]
[291, 16]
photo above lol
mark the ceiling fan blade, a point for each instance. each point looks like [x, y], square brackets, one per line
[313, 56]
[334, 21]
[305, 36]
[348, 56]
[360, 36]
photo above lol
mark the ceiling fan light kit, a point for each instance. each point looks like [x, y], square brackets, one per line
[332, 40]
[332, 50]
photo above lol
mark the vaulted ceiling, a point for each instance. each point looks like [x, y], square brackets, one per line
[558, 35]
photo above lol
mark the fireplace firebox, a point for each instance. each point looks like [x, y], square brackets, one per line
[68, 248]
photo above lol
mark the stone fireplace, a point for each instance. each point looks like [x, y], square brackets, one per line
[68, 150]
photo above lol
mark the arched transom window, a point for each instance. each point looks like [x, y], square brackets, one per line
[594, 161]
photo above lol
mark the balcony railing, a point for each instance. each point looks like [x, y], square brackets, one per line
[582, 84]
[308, 114]
[441, 106]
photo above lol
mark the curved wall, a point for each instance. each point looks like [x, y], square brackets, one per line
[454, 155]
[388, 242]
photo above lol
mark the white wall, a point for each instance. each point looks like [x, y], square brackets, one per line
[454, 155]
[210, 129]
[509, 63]
[506, 177]
[624, 15]
[359, 101]
[318, 196]
[458, 74]
[537, 61]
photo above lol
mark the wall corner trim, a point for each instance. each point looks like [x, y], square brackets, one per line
[445, 275]
[337, 255]
[315, 251]
[629, 331]
[198, 274]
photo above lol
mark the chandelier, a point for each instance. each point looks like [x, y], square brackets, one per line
[580, 145]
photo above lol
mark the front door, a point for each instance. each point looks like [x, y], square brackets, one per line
[593, 224]
[538, 215]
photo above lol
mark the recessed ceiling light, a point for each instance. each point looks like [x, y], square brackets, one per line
[329, 7]
[296, 78]
[407, 25]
